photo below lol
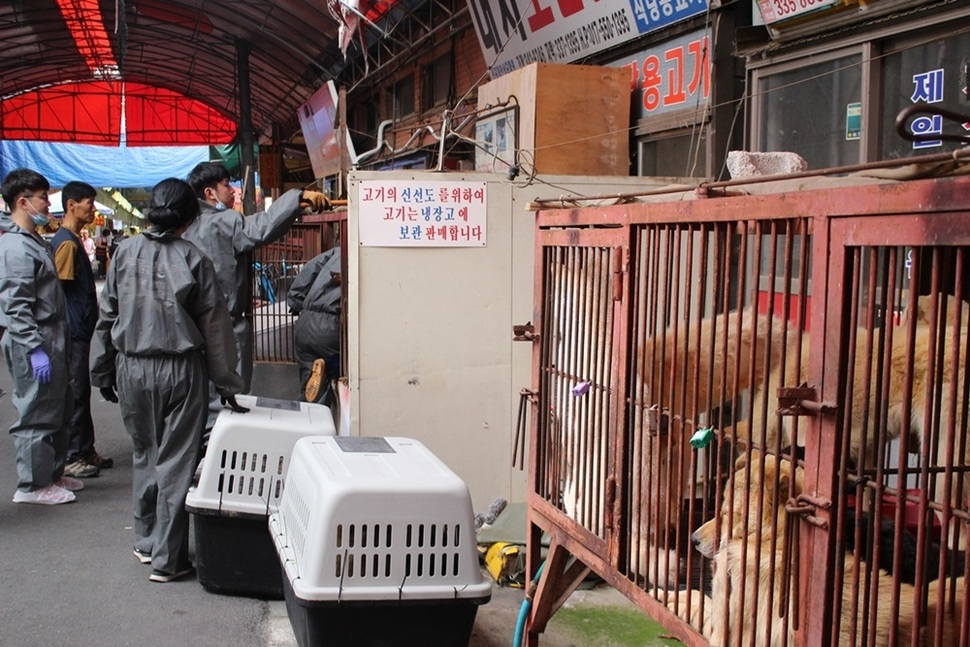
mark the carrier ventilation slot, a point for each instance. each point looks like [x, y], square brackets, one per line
[245, 473]
[422, 560]
[295, 518]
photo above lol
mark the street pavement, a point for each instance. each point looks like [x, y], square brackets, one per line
[69, 577]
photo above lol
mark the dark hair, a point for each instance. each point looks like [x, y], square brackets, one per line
[19, 181]
[77, 191]
[172, 205]
[207, 175]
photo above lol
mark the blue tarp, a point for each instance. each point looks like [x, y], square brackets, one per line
[102, 166]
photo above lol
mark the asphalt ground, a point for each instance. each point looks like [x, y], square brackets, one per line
[69, 577]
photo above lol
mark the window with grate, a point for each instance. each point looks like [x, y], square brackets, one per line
[436, 81]
[402, 97]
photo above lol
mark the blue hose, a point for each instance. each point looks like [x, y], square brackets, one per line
[525, 608]
[520, 622]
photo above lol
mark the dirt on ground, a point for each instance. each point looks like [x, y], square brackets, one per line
[599, 617]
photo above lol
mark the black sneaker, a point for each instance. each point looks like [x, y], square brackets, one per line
[142, 556]
[162, 576]
[99, 461]
[80, 469]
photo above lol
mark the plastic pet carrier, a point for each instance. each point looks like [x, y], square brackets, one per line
[377, 541]
[240, 484]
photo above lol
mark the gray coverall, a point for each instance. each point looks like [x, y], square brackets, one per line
[315, 297]
[226, 237]
[163, 333]
[34, 313]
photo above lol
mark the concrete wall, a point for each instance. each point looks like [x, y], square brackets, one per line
[430, 331]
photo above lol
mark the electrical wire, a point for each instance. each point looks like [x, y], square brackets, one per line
[695, 141]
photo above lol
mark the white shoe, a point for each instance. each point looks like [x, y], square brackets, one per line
[50, 495]
[70, 483]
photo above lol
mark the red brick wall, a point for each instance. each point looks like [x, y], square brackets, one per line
[469, 73]
[470, 70]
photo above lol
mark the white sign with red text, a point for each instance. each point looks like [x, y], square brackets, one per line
[514, 34]
[402, 213]
[777, 10]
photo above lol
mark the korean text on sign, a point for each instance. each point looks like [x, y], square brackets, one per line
[400, 213]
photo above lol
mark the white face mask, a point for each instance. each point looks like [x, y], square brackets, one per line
[39, 219]
[220, 205]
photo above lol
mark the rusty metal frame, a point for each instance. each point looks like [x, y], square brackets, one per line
[308, 238]
[922, 212]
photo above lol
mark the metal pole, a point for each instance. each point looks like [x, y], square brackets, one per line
[342, 145]
[247, 161]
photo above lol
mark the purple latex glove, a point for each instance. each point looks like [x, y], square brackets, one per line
[40, 363]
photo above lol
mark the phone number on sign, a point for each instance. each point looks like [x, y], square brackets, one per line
[775, 10]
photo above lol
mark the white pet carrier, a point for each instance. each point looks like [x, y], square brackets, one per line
[377, 541]
[240, 484]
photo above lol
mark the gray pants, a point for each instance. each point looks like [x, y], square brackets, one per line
[163, 405]
[317, 335]
[40, 434]
[81, 425]
[243, 332]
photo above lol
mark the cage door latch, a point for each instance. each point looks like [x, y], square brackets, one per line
[801, 401]
[805, 506]
[525, 332]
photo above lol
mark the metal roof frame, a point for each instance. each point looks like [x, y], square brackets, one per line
[190, 46]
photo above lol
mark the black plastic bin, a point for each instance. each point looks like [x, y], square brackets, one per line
[438, 623]
[235, 555]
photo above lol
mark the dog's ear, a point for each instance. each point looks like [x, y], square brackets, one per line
[740, 461]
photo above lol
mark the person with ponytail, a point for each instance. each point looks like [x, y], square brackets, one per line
[163, 333]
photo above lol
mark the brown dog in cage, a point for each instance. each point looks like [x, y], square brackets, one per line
[688, 372]
[685, 373]
[751, 599]
[745, 351]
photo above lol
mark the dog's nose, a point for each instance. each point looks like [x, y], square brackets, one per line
[694, 539]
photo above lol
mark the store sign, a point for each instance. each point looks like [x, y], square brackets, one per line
[401, 213]
[562, 31]
[777, 10]
[928, 87]
[671, 77]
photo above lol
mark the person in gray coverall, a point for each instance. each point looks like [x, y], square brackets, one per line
[35, 343]
[226, 236]
[315, 297]
[164, 331]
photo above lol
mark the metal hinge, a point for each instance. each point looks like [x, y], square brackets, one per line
[657, 421]
[524, 332]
